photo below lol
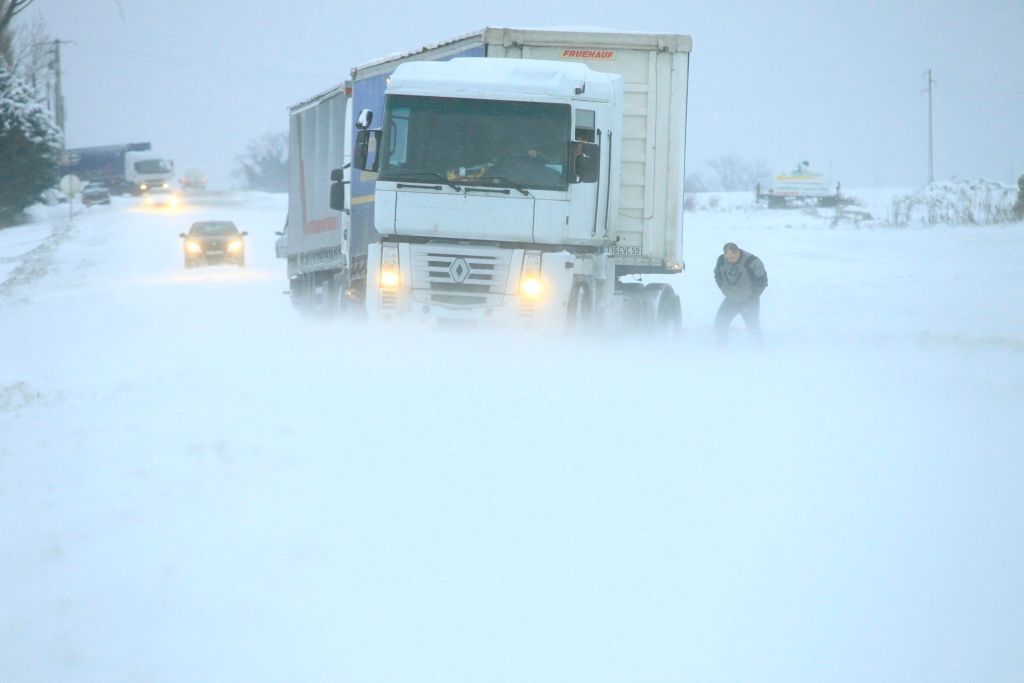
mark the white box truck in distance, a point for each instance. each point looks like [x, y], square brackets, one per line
[518, 175]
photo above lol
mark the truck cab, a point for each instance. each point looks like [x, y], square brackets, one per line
[147, 170]
[495, 182]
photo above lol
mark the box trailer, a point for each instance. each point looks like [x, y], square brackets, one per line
[464, 234]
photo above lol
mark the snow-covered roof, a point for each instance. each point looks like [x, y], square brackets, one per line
[511, 77]
[333, 90]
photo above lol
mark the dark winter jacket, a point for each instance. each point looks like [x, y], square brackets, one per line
[743, 280]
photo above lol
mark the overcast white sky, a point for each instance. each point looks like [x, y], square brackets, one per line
[835, 83]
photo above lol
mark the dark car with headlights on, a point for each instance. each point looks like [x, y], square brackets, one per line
[214, 242]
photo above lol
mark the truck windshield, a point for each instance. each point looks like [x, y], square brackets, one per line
[153, 166]
[476, 142]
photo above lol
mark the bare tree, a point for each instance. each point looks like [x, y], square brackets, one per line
[32, 52]
[1018, 207]
[734, 174]
[264, 166]
[8, 10]
[695, 182]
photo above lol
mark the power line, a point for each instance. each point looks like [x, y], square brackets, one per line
[199, 62]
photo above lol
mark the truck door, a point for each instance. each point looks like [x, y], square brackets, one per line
[584, 214]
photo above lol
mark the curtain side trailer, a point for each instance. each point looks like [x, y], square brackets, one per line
[325, 271]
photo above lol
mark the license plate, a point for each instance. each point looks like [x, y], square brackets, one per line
[215, 253]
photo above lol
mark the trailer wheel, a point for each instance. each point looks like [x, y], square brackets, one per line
[299, 288]
[663, 309]
[347, 297]
[581, 307]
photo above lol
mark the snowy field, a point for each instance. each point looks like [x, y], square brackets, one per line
[196, 484]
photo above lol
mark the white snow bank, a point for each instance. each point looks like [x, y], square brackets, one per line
[956, 202]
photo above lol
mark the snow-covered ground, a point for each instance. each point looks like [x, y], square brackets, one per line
[196, 484]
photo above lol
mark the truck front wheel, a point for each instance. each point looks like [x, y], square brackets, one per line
[581, 306]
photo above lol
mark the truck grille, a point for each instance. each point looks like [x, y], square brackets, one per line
[459, 276]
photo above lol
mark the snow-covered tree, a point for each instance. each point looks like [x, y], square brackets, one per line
[264, 166]
[30, 145]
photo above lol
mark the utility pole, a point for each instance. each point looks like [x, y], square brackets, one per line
[58, 92]
[931, 167]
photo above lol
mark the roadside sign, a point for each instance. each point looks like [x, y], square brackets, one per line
[70, 185]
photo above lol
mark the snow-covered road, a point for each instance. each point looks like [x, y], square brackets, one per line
[198, 485]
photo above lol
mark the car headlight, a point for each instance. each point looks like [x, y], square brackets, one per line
[193, 247]
[390, 276]
[530, 284]
[235, 245]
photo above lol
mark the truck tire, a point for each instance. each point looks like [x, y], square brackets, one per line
[663, 310]
[299, 293]
[581, 307]
[345, 296]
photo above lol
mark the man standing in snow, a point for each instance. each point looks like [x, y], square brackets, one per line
[741, 277]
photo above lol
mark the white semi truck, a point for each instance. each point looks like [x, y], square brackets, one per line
[131, 168]
[523, 175]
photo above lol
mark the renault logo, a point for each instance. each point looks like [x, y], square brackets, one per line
[459, 270]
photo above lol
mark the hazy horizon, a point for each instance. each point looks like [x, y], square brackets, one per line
[843, 86]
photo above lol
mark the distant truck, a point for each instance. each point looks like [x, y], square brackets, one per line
[193, 179]
[517, 176]
[130, 168]
[799, 186]
[326, 259]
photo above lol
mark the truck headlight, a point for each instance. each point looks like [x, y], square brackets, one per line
[531, 287]
[530, 284]
[390, 276]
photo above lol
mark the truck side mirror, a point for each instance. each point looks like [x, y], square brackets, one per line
[337, 200]
[364, 119]
[367, 141]
[587, 156]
